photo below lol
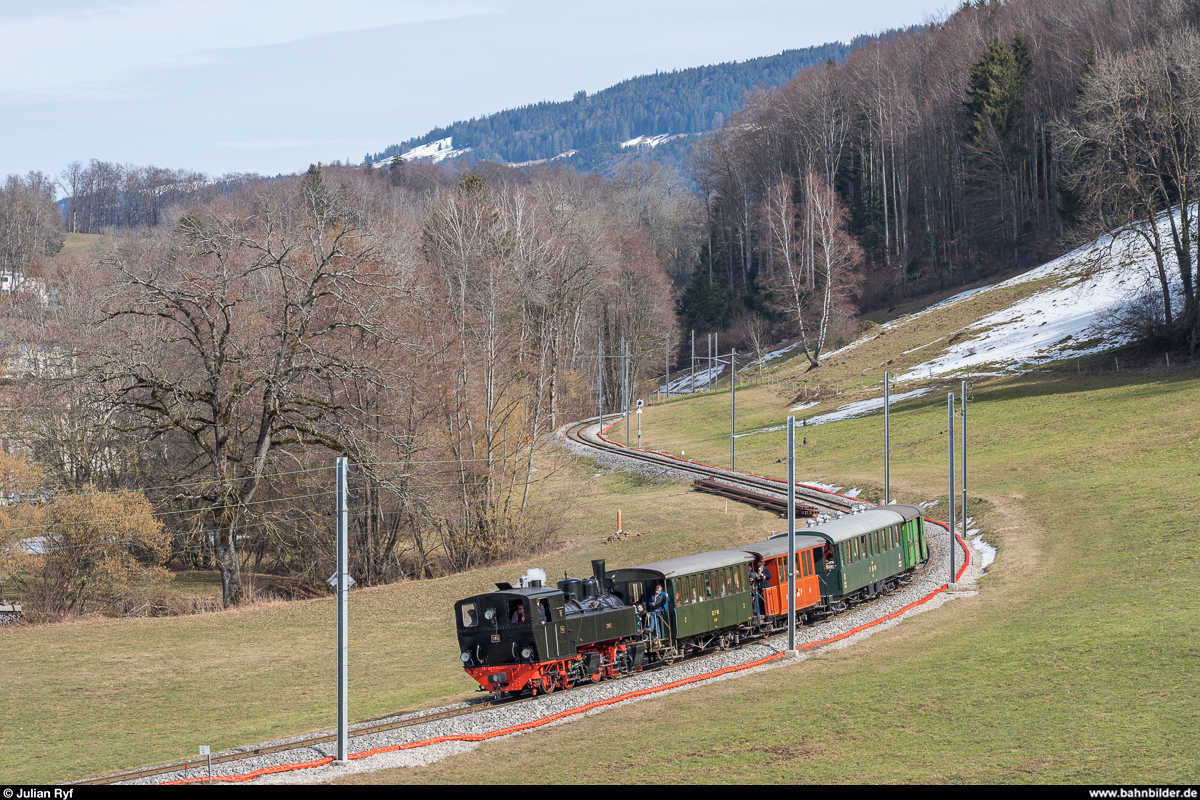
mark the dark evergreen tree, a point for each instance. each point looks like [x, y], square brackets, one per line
[705, 305]
[316, 196]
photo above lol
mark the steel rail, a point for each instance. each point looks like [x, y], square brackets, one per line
[581, 433]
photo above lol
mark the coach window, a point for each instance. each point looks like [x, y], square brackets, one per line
[470, 616]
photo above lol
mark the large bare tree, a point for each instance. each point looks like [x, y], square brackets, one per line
[813, 234]
[231, 340]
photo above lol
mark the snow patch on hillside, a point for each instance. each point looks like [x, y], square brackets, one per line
[1067, 319]
[861, 408]
[433, 151]
[652, 141]
[705, 379]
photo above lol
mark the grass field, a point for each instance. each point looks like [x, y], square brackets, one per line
[91, 696]
[1076, 662]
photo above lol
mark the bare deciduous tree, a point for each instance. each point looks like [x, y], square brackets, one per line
[231, 340]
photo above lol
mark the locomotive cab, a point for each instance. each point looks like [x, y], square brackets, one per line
[504, 634]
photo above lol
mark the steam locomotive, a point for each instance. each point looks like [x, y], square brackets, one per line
[535, 638]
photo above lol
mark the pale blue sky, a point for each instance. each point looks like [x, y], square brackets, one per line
[270, 86]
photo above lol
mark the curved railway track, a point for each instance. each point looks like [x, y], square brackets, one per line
[587, 434]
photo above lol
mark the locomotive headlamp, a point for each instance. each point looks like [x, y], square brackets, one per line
[465, 657]
[526, 652]
[490, 614]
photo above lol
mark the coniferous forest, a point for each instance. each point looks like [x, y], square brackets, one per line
[688, 101]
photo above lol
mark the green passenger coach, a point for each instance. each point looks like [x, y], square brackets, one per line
[707, 595]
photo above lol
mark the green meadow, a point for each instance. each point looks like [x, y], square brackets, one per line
[1076, 661]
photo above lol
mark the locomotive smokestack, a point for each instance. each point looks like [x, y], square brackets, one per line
[598, 571]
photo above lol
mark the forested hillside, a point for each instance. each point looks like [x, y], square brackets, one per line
[986, 142]
[684, 101]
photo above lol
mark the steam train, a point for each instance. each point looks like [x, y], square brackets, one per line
[536, 638]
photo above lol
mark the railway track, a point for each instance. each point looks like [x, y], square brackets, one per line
[587, 434]
[249, 752]
[200, 765]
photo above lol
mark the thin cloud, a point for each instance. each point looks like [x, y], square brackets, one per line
[102, 51]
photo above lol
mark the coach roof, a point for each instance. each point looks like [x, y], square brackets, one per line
[778, 547]
[686, 565]
[851, 525]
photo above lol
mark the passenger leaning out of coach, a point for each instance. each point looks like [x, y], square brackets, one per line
[658, 608]
[758, 579]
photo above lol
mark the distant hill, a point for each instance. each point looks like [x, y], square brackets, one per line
[689, 101]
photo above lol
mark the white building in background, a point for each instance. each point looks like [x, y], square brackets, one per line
[15, 282]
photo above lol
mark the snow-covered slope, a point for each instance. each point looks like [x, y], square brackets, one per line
[434, 151]
[1065, 318]
[1065, 313]
[652, 141]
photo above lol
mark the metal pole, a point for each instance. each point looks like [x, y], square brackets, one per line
[732, 405]
[791, 501]
[950, 431]
[887, 442]
[708, 361]
[343, 623]
[963, 508]
[693, 360]
[600, 380]
[667, 362]
[625, 382]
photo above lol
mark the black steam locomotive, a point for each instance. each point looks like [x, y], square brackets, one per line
[538, 638]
